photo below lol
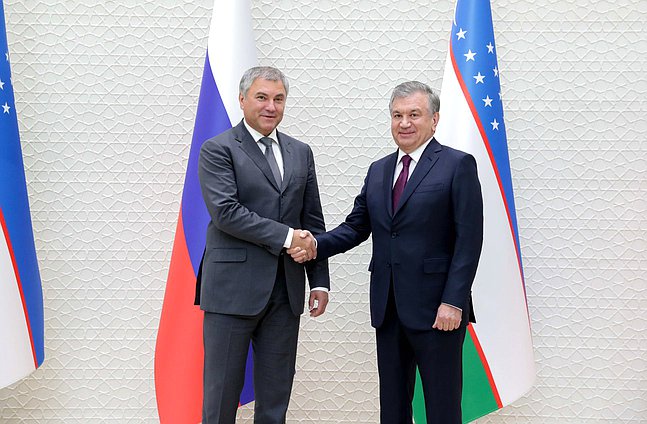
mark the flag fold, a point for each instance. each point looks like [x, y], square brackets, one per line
[179, 350]
[498, 361]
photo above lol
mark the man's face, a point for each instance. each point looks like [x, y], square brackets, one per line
[411, 122]
[263, 105]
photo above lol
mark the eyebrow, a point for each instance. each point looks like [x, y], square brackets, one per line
[410, 111]
[262, 93]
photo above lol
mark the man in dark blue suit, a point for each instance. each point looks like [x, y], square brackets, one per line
[423, 206]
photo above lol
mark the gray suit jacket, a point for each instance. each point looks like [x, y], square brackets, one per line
[250, 218]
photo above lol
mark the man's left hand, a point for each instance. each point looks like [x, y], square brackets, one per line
[448, 318]
[317, 302]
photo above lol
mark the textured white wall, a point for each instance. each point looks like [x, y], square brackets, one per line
[106, 94]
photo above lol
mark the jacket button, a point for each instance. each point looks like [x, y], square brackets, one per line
[388, 264]
[394, 235]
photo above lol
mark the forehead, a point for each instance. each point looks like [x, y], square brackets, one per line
[261, 85]
[413, 102]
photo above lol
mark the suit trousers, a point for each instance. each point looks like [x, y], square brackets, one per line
[273, 334]
[438, 357]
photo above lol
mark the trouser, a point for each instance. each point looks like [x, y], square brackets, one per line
[273, 334]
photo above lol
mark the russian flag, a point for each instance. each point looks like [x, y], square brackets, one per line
[498, 361]
[179, 351]
[21, 299]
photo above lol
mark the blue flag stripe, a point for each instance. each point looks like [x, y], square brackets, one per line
[211, 120]
[473, 50]
[14, 201]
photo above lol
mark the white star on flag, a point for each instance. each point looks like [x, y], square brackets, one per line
[490, 47]
[1, 85]
[469, 55]
[6, 107]
[488, 101]
[495, 124]
[496, 72]
[461, 34]
[479, 78]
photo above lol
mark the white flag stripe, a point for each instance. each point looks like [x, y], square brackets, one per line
[231, 50]
[499, 300]
[16, 356]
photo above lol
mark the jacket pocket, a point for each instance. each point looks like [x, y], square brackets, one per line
[228, 255]
[435, 265]
[429, 187]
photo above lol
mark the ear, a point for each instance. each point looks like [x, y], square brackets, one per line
[435, 118]
[240, 100]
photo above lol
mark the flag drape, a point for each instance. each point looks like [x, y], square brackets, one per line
[498, 358]
[179, 350]
[21, 299]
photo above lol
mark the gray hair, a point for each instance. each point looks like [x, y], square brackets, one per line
[408, 88]
[264, 72]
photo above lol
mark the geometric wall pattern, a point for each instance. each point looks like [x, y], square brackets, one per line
[106, 94]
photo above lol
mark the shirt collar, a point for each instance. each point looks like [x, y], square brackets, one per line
[416, 154]
[257, 136]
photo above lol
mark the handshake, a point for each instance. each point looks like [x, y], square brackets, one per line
[303, 247]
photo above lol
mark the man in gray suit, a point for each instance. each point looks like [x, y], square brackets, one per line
[259, 185]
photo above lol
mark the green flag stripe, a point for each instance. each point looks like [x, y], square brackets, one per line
[479, 395]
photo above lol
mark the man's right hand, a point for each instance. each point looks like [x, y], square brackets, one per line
[303, 247]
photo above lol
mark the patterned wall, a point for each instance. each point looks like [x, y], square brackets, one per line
[106, 94]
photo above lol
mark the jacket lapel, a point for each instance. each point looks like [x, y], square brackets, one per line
[252, 150]
[427, 161]
[288, 162]
[389, 169]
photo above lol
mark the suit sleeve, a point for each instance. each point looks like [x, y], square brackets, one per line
[467, 203]
[220, 192]
[312, 219]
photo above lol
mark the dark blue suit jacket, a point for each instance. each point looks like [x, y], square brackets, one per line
[429, 246]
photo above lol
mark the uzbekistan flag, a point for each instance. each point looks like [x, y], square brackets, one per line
[498, 358]
[179, 351]
[21, 298]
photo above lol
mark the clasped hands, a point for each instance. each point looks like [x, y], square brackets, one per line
[303, 247]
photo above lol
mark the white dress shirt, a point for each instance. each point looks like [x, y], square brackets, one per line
[415, 158]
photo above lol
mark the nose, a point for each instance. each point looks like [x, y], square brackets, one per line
[404, 122]
[271, 105]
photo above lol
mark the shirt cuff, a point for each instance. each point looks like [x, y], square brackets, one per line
[323, 289]
[452, 306]
[288, 239]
